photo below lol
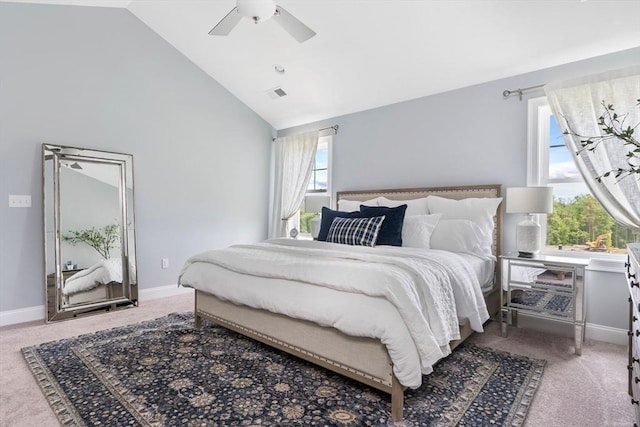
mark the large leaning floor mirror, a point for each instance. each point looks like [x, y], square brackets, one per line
[89, 231]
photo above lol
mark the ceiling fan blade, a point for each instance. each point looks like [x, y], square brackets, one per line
[292, 25]
[226, 24]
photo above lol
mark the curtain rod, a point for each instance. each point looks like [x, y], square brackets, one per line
[508, 93]
[334, 128]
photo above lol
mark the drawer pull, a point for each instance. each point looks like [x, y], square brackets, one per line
[637, 380]
[635, 318]
[634, 360]
[634, 402]
[635, 284]
[629, 275]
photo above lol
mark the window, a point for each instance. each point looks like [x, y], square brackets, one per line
[578, 224]
[320, 180]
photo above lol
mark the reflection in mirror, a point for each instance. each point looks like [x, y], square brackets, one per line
[89, 231]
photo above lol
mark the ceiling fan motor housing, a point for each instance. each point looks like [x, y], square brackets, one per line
[257, 10]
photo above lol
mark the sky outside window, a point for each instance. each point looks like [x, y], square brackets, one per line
[564, 176]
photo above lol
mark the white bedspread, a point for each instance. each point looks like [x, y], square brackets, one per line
[105, 271]
[411, 299]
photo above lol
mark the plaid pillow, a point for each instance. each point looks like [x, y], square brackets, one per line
[355, 231]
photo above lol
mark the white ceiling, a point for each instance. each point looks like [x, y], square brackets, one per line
[369, 53]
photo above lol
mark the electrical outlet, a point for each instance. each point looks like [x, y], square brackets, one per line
[19, 201]
[164, 263]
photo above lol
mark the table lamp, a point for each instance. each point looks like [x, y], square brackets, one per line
[313, 203]
[529, 201]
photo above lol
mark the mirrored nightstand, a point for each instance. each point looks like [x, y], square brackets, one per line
[549, 287]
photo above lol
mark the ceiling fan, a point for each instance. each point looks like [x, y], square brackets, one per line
[260, 11]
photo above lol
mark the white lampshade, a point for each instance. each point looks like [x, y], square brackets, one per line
[529, 200]
[314, 203]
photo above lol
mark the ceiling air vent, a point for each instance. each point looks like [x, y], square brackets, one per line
[276, 93]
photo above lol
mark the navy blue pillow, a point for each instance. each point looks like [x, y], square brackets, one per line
[391, 230]
[328, 216]
[355, 231]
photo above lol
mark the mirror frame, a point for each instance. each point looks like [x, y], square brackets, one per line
[52, 156]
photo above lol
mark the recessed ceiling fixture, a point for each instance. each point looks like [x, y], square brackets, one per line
[260, 11]
[279, 69]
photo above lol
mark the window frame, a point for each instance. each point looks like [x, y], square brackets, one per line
[329, 139]
[328, 190]
[538, 130]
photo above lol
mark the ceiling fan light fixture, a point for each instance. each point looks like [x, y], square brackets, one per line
[257, 10]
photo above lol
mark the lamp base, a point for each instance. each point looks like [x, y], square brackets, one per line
[526, 255]
[315, 226]
[528, 237]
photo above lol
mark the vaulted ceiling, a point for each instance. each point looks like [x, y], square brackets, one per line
[370, 53]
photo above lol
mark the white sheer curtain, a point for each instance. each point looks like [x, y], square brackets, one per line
[293, 163]
[577, 105]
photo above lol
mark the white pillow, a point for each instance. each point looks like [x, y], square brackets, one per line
[417, 230]
[479, 210]
[414, 206]
[354, 205]
[456, 235]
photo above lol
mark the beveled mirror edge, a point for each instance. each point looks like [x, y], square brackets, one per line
[127, 234]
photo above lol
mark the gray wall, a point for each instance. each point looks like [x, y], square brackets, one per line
[467, 136]
[99, 78]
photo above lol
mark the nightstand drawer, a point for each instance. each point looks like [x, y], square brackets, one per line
[542, 276]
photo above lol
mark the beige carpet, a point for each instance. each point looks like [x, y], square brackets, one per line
[575, 391]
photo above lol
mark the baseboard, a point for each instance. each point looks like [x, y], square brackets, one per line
[606, 334]
[592, 331]
[162, 291]
[32, 314]
[21, 315]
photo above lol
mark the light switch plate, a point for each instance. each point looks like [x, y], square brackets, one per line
[19, 201]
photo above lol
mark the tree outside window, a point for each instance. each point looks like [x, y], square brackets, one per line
[578, 222]
[319, 182]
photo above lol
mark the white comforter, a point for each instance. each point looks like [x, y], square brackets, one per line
[105, 271]
[412, 300]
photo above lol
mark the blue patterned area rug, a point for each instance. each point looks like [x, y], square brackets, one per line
[165, 372]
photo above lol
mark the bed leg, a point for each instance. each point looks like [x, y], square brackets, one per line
[196, 317]
[397, 400]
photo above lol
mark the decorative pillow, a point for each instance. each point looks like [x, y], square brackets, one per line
[355, 231]
[417, 230]
[391, 230]
[354, 205]
[456, 235]
[327, 218]
[479, 210]
[414, 206]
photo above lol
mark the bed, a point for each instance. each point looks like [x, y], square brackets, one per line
[317, 321]
[100, 282]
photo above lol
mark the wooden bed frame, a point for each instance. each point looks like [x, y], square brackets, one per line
[363, 359]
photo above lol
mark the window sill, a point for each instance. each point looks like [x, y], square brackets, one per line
[603, 262]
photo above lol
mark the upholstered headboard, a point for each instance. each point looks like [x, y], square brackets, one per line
[457, 193]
